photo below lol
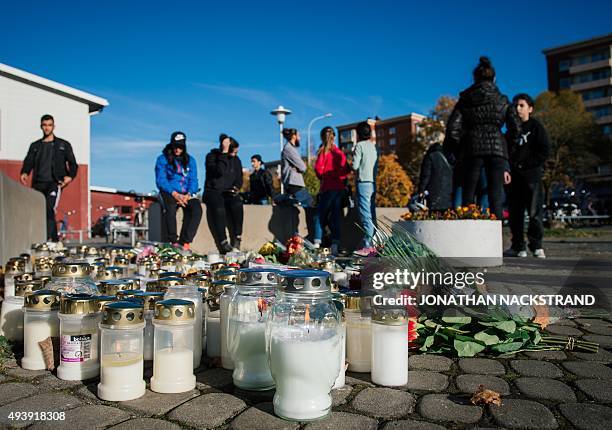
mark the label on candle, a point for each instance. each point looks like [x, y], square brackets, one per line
[77, 348]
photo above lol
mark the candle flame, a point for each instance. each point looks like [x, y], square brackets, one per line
[307, 314]
[261, 305]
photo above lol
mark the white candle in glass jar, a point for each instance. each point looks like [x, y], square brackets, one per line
[341, 379]
[358, 342]
[251, 369]
[35, 331]
[121, 376]
[173, 371]
[224, 302]
[304, 366]
[11, 319]
[149, 332]
[213, 334]
[390, 354]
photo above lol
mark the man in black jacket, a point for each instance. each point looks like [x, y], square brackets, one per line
[54, 167]
[260, 182]
[527, 157]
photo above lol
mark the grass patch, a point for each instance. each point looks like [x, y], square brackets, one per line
[6, 352]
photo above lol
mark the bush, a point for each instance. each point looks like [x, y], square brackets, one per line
[393, 185]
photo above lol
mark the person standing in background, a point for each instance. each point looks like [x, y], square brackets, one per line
[527, 158]
[365, 163]
[331, 169]
[234, 209]
[260, 182]
[436, 178]
[54, 166]
[176, 176]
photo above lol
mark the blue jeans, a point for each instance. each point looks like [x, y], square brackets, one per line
[305, 199]
[366, 204]
[330, 213]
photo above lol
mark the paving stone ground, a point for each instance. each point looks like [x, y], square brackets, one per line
[545, 390]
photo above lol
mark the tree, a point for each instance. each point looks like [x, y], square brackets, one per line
[393, 185]
[577, 144]
[311, 181]
[429, 131]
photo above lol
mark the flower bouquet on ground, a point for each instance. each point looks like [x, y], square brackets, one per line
[465, 331]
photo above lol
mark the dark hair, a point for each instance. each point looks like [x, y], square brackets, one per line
[523, 96]
[288, 133]
[256, 157]
[222, 137]
[169, 153]
[233, 144]
[484, 71]
[364, 131]
[46, 117]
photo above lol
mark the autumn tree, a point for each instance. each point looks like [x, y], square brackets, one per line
[393, 185]
[577, 144]
[311, 181]
[428, 131]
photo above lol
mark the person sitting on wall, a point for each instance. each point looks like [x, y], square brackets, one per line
[260, 184]
[176, 176]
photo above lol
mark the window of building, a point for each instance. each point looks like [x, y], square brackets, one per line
[392, 141]
[564, 83]
[346, 136]
[599, 56]
[594, 94]
[600, 111]
[564, 65]
[392, 130]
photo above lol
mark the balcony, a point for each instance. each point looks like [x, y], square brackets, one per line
[590, 66]
[602, 101]
[592, 84]
[604, 120]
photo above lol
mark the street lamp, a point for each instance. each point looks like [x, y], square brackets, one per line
[281, 113]
[312, 121]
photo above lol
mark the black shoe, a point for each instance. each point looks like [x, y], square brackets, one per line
[224, 247]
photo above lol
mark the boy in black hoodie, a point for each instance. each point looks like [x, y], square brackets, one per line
[527, 157]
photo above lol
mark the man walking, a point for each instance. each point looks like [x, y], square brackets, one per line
[260, 182]
[527, 158]
[54, 167]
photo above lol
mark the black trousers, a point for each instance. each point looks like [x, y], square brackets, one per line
[224, 211]
[51, 191]
[526, 194]
[192, 215]
[494, 170]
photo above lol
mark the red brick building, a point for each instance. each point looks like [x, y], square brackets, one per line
[105, 200]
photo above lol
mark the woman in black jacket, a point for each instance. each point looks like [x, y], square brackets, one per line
[221, 194]
[436, 179]
[476, 122]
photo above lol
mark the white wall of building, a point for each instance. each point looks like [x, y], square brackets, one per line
[22, 105]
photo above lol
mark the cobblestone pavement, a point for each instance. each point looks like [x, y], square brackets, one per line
[540, 390]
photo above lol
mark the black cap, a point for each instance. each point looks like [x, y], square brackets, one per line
[257, 157]
[178, 138]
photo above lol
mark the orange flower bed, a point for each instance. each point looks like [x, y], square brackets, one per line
[463, 212]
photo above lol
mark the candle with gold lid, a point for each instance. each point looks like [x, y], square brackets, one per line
[72, 277]
[121, 358]
[13, 268]
[110, 272]
[11, 314]
[103, 300]
[79, 345]
[225, 275]
[189, 292]
[40, 322]
[123, 294]
[112, 286]
[91, 254]
[172, 370]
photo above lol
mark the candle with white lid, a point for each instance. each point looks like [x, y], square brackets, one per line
[172, 363]
[389, 346]
[40, 322]
[248, 311]
[304, 345]
[121, 358]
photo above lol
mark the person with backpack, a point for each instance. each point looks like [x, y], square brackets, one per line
[176, 176]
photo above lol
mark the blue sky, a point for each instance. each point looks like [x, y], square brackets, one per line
[211, 67]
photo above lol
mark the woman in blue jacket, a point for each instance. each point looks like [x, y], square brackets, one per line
[176, 176]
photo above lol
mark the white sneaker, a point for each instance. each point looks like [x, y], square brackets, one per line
[317, 244]
[522, 254]
[539, 253]
[513, 253]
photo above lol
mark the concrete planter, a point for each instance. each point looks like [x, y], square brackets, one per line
[466, 243]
